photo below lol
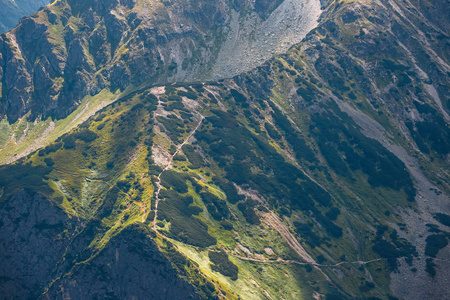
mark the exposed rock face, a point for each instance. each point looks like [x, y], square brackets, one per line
[51, 242]
[76, 48]
[38, 227]
[12, 10]
[130, 267]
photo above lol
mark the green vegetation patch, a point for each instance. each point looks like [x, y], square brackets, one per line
[302, 151]
[174, 127]
[443, 219]
[175, 180]
[194, 158]
[346, 149]
[306, 232]
[188, 94]
[223, 265]
[229, 189]
[24, 176]
[435, 243]
[273, 133]
[84, 135]
[248, 210]
[109, 201]
[393, 250]
[432, 133]
[217, 208]
[184, 227]
[429, 267]
[50, 149]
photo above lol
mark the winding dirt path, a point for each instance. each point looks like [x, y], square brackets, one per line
[169, 165]
[280, 260]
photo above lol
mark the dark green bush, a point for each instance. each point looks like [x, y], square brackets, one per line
[174, 127]
[238, 97]
[392, 251]
[49, 162]
[188, 94]
[435, 243]
[306, 94]
[273, 133]
[175, 105]
[137, 107]
[107, 206]
[302, 151]
[50, 148]
[194, 158]
[429, 268]
[229, 189]
[227, 225]
[216, 207]
[305, 231]
[333, 213]
[443, 219]
[84, 134]
[124, 185]
[184, 226]
[179, 157]
[110, 165]
[223, 265]
[152, 99]
[175, 180]
[247, 209]
[174, 98]
[331, 228]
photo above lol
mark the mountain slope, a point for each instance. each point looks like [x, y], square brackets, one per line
[65, 62]
[46, 248]
[323, 172]
[11, 11]
[72, 49]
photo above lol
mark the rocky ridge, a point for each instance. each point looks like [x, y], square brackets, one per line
[71, 49]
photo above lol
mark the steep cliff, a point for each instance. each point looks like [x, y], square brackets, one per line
[54, 262]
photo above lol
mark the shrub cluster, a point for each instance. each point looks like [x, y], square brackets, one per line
[186, 228]
[248, 210]
[84, 134]
[216, 207]
[223, 265]
[175, 180]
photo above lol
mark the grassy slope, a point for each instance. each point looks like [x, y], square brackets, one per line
[88, 181]
[23, 137]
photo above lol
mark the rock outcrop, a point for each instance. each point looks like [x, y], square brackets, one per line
[71, 49]
[51, 243]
